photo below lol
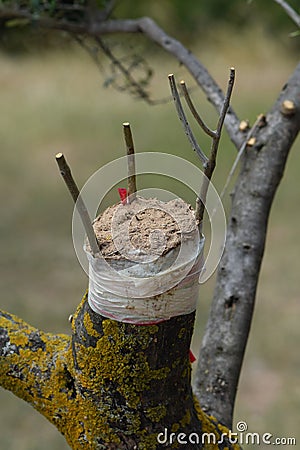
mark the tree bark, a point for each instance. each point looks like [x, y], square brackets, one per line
[231, 311]
[112, 385]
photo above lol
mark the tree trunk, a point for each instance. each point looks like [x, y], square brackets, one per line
[231, 312]
[124, 383]
[112, 385]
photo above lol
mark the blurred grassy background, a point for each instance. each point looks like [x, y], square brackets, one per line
[56, 102]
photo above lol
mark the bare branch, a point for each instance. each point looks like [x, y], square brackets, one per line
[31, 366]
[184, 121]
[209, 86]
[134, 86]
[193, 110]
[290, 11]
[225, 106]
[210, 167]
[130, 161]
[156, 34]
[74, 191]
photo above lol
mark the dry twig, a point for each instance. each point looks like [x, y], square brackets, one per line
[131, 178]
[184, 121]
[193, 110]
[209, 164]
[210, 167]
[74, 191]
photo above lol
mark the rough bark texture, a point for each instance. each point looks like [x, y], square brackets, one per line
[227, 329]
[111, 385]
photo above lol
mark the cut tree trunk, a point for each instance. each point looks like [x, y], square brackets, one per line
[114, 384]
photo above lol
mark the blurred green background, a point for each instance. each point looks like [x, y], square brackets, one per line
[55, 100]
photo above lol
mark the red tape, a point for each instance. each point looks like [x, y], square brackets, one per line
[192, 357]
[123, 195]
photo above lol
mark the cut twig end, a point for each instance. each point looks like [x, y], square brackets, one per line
[79, 203]
[62, 164]
[231, 75]
[288, 108]
[244, 125]
[251, 142]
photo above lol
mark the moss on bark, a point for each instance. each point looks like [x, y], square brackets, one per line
[111, 385]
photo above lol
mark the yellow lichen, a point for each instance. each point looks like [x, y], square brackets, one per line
[156, 413]
[107, 362]
[181, 333]
[175, 427]
[211, 425]
[77, 383]
[186, 420]
[88, 324]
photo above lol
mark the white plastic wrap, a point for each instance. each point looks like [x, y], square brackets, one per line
[146, 293]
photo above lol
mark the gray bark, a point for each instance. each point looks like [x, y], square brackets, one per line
[227, 329]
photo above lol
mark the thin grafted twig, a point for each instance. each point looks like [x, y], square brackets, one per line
[208, 163]
[193, 110]
[131, 179]
[210, 167]
[74, 191]
[184, 121]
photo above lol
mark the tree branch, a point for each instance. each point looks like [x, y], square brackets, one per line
[33, 367]
[206, 82]
[131, 178]
[193, 110]
[210, 167]
[208, 163]
[79, 203]
[290, 11]
[230, 317]
[156, 34]
[184, 121]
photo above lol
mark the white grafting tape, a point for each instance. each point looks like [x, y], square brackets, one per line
[143, 293]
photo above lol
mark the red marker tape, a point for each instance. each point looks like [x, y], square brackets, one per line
[192, 357]
[123, 195]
